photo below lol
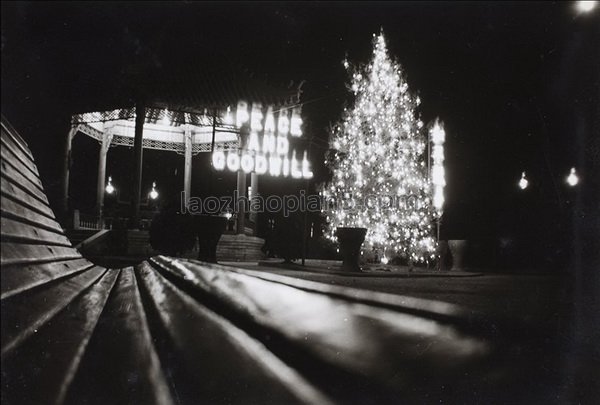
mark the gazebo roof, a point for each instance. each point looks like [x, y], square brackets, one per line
[195, 88]
[184, 95]
[221, 88]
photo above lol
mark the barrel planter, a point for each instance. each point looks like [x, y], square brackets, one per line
[443, 252]
[350, 240]
[458, 250]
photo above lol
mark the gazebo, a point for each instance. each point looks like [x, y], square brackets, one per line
[216, 118]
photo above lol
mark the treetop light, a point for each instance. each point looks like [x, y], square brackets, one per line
[523, 183]
[572, 178]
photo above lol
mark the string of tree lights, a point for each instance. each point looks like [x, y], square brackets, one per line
[379, 149]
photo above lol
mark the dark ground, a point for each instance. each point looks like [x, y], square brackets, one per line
[548, 321]
[530, 298]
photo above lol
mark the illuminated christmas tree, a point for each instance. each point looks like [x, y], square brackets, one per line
[378, 156]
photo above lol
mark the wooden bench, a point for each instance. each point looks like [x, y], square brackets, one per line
[172, 331]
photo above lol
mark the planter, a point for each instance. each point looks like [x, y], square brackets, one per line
[240, 248]
[458, 250]
[350, 240]
[209, 230]
[443, 253]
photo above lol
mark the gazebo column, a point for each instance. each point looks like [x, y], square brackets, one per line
[140, 118]
[187, 171]
[254, 193]
[241, 206]
[106, 140]
[64, 203]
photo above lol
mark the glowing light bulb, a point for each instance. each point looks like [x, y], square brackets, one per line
[384, 260]
[523, 183]
[153, 192]
[572, 178]
[109, 187]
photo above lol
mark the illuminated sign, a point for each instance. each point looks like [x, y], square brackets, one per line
[267, 150]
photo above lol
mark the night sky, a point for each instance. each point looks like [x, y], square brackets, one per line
[517, 86]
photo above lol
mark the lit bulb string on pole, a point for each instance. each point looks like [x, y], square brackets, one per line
[436, 174]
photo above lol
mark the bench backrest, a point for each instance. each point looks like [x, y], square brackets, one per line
[35, 249]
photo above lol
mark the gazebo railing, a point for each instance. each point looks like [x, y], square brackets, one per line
[86, 221]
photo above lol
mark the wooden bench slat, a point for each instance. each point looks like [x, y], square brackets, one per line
[25, 313]
[14, 136]
[18, 211]
[16, 231]
[340, 333]
[29, 377]
[17, 194]
[198, 338]
[120, 364]
[17, 178]
[9, 143]
[13, 167]
[20, 253]
[18, 278]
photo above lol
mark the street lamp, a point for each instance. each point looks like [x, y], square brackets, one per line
[586, 6]
[523, 183]
[153, 193]
[572, 178]
[109, 187]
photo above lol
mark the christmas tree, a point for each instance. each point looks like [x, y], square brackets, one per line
[378, 156]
